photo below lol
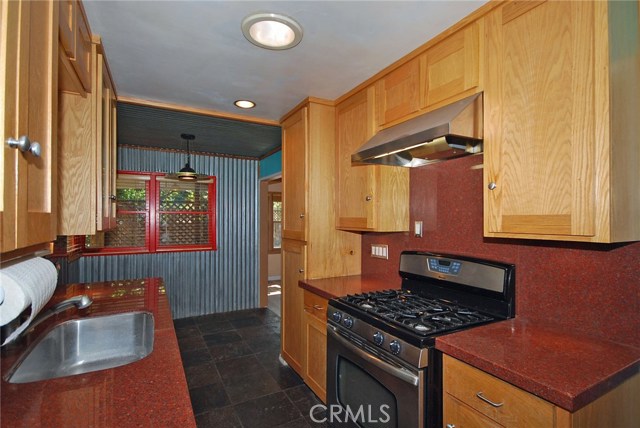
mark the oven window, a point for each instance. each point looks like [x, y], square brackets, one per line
[366, 401]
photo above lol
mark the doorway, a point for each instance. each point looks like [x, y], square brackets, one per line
[270, 243]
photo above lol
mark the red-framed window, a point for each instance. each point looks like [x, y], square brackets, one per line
[156, 214]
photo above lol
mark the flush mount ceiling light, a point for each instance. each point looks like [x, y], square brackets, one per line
[246, 104]
[272, 31]
[187, 173]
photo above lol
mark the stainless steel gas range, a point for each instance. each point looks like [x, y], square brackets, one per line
[382, 366]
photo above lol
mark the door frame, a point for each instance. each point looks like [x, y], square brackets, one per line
[264, 235]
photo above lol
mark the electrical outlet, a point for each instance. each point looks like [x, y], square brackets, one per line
[380, 251]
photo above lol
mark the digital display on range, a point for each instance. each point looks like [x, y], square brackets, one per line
[448, 267]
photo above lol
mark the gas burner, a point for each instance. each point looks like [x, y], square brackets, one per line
[419, 314]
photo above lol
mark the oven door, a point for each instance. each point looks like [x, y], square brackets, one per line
[369, 388]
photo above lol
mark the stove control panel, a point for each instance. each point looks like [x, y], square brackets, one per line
[359, 332]
[450, 267]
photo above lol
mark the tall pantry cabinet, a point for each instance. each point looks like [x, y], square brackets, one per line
[311, 246]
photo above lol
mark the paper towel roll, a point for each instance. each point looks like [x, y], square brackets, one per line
[30, 282]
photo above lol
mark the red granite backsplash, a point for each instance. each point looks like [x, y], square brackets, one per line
[592, 288]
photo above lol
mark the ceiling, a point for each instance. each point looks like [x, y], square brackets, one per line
[193, 53]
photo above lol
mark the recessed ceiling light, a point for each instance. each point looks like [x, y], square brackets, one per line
[245, 104]
[272, 31]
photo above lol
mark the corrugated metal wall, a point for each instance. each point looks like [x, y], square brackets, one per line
[199, 282]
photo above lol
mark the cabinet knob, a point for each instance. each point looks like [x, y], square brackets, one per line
[301, 270]
[451, 425]
[492, 185]
[112, 197]
[301, 215]
[368, 198]
[25, 145]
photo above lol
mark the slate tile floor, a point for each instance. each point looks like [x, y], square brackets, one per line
[234, 374]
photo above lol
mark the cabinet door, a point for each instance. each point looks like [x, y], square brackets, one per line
[451, 67]
[294, 175]
[293, 268]
[539, 121]
[29, 93]
[75, 48]
[316, 353]
[106, 150]
[397, 93]
[355, 184]
[368, 197]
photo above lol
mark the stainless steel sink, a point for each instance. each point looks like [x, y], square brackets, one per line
[86, 345]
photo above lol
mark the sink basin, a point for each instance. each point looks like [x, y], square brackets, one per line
[86, 345]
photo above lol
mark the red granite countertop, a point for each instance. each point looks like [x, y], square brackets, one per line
[566, 369]
[146, 393]
[343, 285]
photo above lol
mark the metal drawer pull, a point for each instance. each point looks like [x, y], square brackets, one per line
[318, 307]
[451, 426]
[486, 400]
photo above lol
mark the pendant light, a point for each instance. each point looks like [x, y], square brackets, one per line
[187, 173]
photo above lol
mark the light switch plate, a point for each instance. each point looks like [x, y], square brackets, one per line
[417, 229]
[380, 251]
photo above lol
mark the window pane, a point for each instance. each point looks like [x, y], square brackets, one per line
[277, 211]
[277, 235]
[130, 231]
[184, 196]
[183, 229]
[131, 194]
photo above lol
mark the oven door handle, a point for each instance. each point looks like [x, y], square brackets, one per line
[398, 372]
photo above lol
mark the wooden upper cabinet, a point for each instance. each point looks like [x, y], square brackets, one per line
[75, 48]
[561, 146]
[87, 155]
[106, 127]
[368, 197]
[397, 93]
[294, 174]
[451, 68]
[28, 86]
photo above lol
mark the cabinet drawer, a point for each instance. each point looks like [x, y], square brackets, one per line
[316, 305]
[515, 407]
[460, 415]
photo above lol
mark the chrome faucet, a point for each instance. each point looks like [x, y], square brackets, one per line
[81, 302]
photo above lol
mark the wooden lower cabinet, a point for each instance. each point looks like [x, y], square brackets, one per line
[315, 327]
[467, 392]
[292, 336]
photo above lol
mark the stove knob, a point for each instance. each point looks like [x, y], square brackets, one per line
[347, 322]
[394, 346]
[336, 316]
[378, 338]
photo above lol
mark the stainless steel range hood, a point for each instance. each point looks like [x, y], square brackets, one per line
[446, 133]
